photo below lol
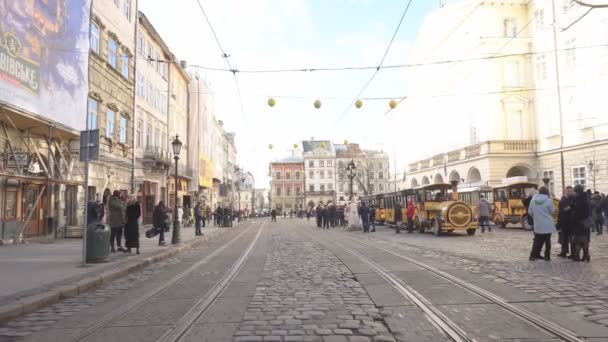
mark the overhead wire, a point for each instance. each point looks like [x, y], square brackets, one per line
[407, 7]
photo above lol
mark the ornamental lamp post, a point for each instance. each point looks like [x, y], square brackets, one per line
[177, 146]
[351, 175]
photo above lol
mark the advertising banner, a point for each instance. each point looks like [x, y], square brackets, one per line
[44, 51]
[205, 172]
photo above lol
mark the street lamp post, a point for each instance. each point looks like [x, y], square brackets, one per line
[252, 194]
[351, 175]
[177, 146]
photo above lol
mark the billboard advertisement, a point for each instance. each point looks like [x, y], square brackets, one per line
[205, 172]
[44, 51]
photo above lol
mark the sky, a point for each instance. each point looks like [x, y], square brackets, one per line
[277, 34]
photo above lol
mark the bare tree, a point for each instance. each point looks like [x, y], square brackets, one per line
[590, 7]
[361, 177]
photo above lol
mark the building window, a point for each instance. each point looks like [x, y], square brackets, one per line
[579, 176]
[122, 130]
[278, 175]
[321, 163]
[112, 50]
[371, 187]
[330, 174]
[297, 175]
[322, 187]
[139, 133]
[322, 174]
[541, 67]
[380, 187]
[94, 39]
[124, 67]
[157, 137]
[116, 3]
[110, 124]
[288, 191]
[371, 174]
[329, 163]
[297, 190]
[10, 204]
[380, 175]
[330, 187]
[287, 175]
[148, 135]
[379, 166]
[126, 9]
[550, 175]
[341, 187]
[311, 174]
[278, 191]
[93, 107]
[539, 19]
[311, 188]
[510, 27]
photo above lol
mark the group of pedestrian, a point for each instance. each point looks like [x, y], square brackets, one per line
[330, 215]
[409, 214]
[123, 217]
[224, 216]
[575, 221]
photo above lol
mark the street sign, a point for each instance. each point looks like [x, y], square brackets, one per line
[92, 137]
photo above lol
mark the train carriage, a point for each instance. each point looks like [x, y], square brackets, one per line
[471, 195]
[440, 211]
[508, 205]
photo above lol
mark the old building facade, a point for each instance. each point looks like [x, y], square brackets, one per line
[287, 184]
[319, 168]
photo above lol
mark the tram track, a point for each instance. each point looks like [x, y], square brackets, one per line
[197, 310]
[448, 328]
[534, 319]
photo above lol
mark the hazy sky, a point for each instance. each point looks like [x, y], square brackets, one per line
[274, 34]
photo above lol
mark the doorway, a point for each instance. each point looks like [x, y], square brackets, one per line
[33, 205]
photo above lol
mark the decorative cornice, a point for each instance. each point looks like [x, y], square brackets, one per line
[115, 37]
[97, 20]
[95, 96]
[127, 51]
[113, 106]
[126, 114]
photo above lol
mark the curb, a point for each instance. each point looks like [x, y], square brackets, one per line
[38, 301]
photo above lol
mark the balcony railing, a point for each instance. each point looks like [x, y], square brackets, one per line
[157, 155]
[321, 193]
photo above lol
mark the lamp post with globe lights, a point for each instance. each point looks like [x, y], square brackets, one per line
[177, 146]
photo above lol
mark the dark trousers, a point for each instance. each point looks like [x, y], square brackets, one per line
[537, 245]
[273, 219]
[484, 222]
[197, 225]
[398, 226]
[161, 235]
[410, 224]
[116, 236]
[325, 222]
[580, 243]
[319, 221]
[365, 222]
[203, 221]
[372, 222]
[566, 241]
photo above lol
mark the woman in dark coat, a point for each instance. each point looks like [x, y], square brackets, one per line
[132, 225]
[581, 232]
[159, 220]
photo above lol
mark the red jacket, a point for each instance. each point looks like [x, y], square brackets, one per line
[410, 210]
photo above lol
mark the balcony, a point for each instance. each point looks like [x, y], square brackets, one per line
[413, 167]
[157, 157]
[321, 193]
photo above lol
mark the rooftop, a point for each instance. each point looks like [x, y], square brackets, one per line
[289, 160]
[311, 145]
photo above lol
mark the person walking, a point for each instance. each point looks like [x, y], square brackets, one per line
[596, 213]
[206, 216]
[604, 205]
[581, 225]
[484, 210]
[411, 210]
[364, 213]
[116, 220]
[319, 213]
[133, 213]
[273, 215]
[541, 210]
[325, 213]
[160, 218]
[198, 218]
[372, 218]
[565, 221]
[398, 217]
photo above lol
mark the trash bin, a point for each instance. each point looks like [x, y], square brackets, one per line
[98, 242]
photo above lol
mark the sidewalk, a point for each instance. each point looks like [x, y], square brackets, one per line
[38, 274]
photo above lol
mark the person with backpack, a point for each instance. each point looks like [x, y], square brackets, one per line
[160, 219]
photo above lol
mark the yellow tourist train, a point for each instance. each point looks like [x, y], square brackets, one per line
[436, 209]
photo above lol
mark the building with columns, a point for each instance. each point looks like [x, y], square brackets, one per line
[534, 109]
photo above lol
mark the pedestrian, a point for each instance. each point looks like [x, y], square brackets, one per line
[411, 210]
[398, 217]
[180, 215]
[333, 214]
[325, 214]
[526, 202]
[198, 218]
[116, 220]
[273, 214]
[604, 205]
[206, 215]
[364, 213]
[541, 210]
[160, 220]
[596, 213]
[133, 213]
[565, 221]
[484, 210]
[581, 225]
[372, 218]
[95, 211]
[319, 213]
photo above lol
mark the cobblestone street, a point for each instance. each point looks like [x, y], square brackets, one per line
[289, 281]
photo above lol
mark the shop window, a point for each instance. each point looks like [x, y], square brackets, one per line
[10, 204]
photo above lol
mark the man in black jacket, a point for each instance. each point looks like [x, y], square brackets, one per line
[319, 213]
[564, 220]
[398, 218]
[581, 224]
